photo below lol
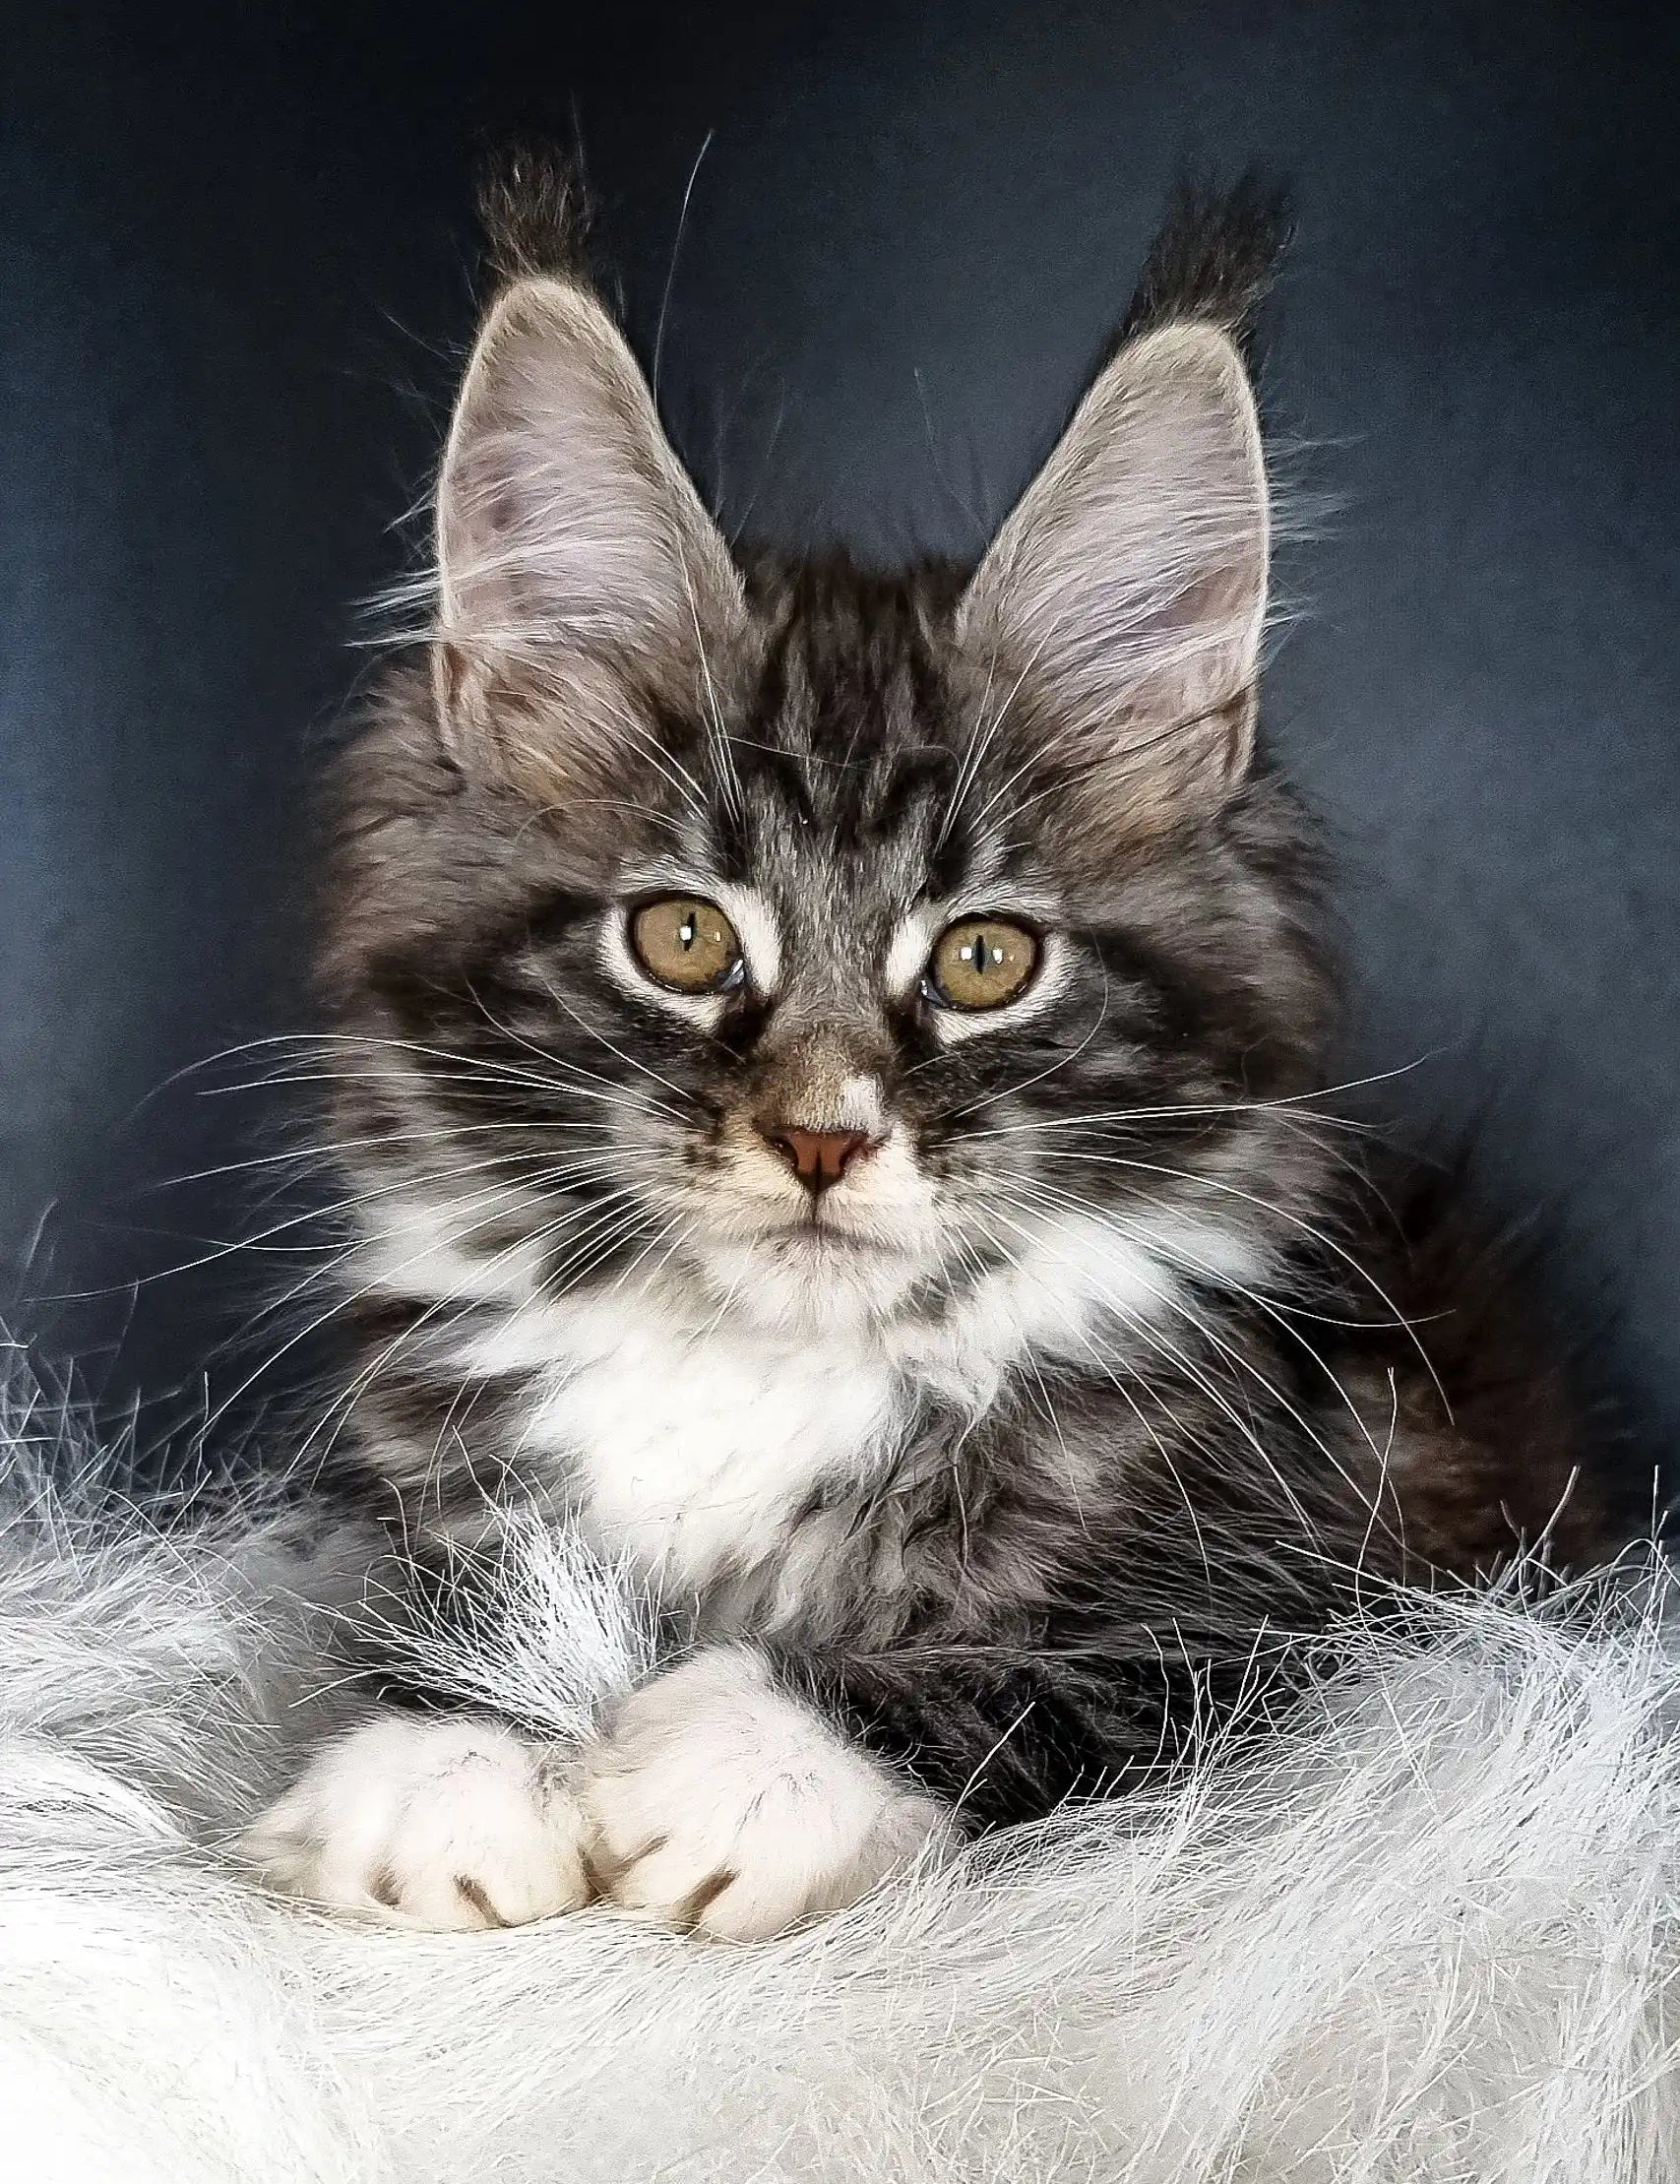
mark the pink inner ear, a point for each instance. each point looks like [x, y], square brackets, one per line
[572, 549]
[1123, 601]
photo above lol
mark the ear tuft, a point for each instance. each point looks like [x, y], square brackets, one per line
[581, 585]
[535, 213]
[1118, 616]
[1213, 262]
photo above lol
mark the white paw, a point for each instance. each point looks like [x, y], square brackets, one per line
[446, 1824]
[721, 1804]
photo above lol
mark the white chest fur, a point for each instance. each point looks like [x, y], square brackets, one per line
[688, 1444]
[694, 1448]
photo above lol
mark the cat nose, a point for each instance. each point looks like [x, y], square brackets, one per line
[818, 1157]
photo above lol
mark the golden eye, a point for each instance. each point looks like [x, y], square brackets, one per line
[686, 943]
[980, 962]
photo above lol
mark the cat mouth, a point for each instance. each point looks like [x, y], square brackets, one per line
[823, 1236]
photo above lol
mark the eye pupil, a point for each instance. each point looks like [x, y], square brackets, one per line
[979, 965]
[686, 944]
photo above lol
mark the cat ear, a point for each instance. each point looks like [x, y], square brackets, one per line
[581, 581]
[1117, 617]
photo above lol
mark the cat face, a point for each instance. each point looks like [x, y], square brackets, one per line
[810, 943]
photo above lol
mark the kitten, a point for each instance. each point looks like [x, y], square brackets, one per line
[833, 1096]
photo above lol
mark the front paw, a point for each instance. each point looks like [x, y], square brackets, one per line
[724, 1805]
[446, 1824]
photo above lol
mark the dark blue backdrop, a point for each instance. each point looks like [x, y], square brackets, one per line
[234, 281]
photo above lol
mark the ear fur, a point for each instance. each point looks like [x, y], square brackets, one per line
[1117, 619]
[581, 582]
[1121, 608]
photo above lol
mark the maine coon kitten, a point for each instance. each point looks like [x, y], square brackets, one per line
[832, 1062]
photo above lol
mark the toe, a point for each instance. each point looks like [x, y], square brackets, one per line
[673, 1882]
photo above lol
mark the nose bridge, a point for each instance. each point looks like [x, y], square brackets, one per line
[824, 1055]
[820, 1074]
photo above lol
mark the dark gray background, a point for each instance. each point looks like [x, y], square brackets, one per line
[234, 286]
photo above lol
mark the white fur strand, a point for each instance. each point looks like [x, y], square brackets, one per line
[1430, 1935]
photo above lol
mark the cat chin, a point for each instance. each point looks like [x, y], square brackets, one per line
[813, 1279]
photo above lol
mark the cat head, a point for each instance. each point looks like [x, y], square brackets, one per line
[815, 941]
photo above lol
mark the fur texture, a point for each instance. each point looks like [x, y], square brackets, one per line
[996, 1378]
[1428, 1933]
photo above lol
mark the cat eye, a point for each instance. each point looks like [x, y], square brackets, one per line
[686, 943]
[980, 962]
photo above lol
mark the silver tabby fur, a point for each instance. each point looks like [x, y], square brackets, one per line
[1108, 1367]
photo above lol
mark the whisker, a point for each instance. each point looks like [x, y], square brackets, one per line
[471, 1067]
[1284, 1102]
[1151, 1246]
[458, 1301]
[1294, 1221]
[1149, 1426]
[630, 1060]
[1026, 1083]
[473, 1388]
[318, 1216]
[628, 1097]
[383, 1279]
[359, 1244]
[1164, 1346]
[329, 1150]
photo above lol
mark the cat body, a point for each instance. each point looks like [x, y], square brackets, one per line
[834, 1075]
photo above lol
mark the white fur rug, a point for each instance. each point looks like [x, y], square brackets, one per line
[1431, 1939]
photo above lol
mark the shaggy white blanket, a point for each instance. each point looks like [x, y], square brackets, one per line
[1431, 1938]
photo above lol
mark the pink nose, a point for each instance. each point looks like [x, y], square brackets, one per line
[818, 1157]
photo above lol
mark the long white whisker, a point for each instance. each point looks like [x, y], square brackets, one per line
[1148, 1424]
[1009, 1091]
[339, 1416]
[317, 1215]
[1293, 1221]
[622, 1234]
[1283, 1104]
[473, 1067]
[601, 1234]
[629, 1060]
[629, 1098]
[1164, 1346]
[383, 1279]
[331, 1149]
[1190, 1265]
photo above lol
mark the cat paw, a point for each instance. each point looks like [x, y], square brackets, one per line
[724, 1806]
[447, 1824]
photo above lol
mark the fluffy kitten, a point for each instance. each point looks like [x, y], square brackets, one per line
[831, 1087]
